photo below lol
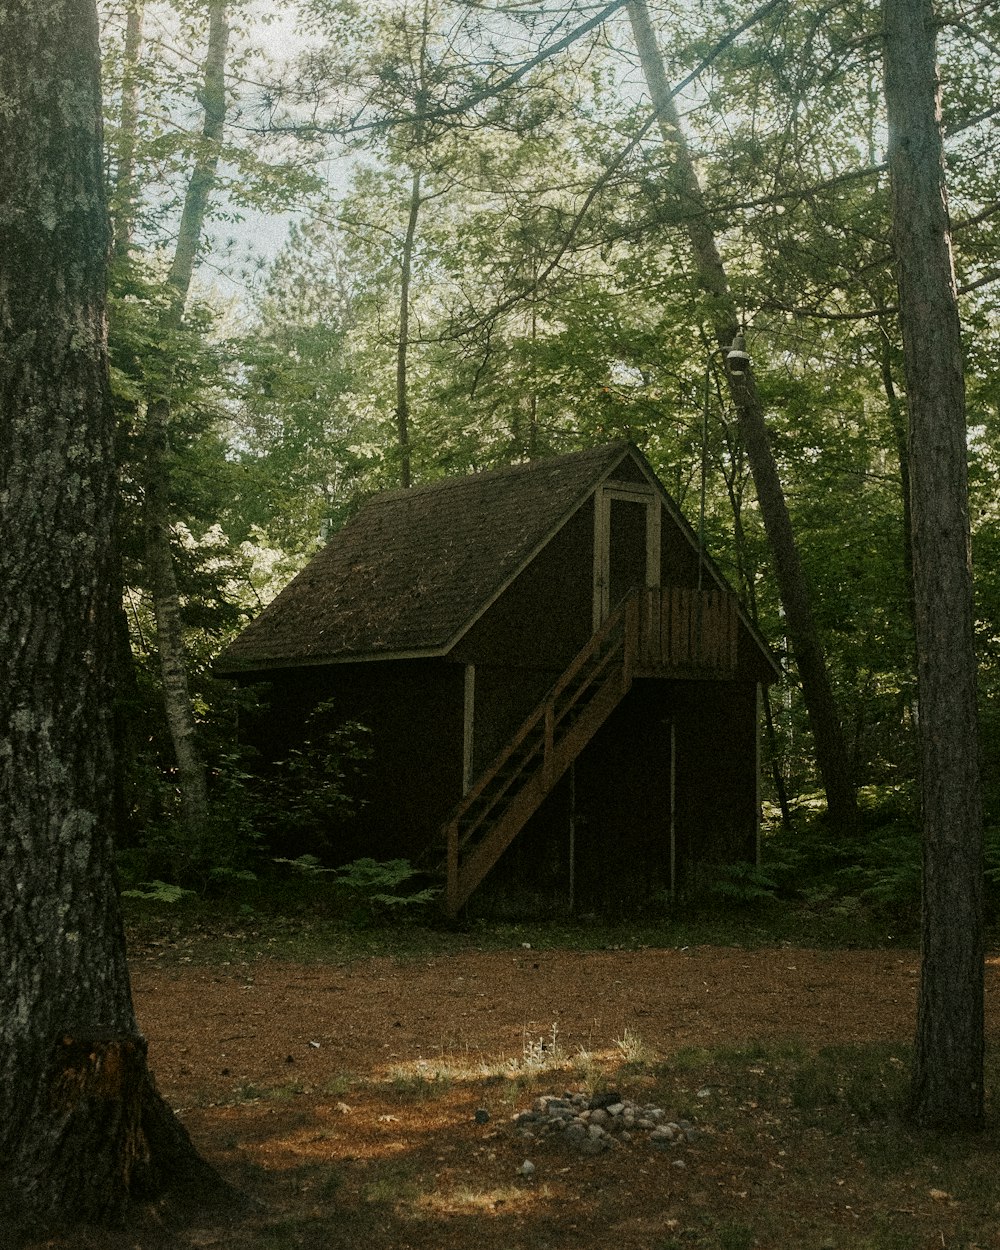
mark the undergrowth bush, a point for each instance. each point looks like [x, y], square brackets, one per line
[875, 872]
[368, 891]
[254, 813]
[305, 799]
[168, 856]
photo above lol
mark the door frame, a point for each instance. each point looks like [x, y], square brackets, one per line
[630, 492]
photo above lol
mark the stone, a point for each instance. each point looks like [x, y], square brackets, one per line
[482, 1116]
[527, 1168]
[596, 1125]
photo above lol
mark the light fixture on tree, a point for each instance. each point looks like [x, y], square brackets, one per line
[738, 358]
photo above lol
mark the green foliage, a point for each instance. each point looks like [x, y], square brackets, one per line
[732, 885]
[158, 892]
[374, 891]
[875, 874]
[222, 855]
[306, 798]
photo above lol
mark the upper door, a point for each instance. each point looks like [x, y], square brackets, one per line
[626, 544]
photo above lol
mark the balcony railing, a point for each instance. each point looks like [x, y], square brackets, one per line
[687, 632]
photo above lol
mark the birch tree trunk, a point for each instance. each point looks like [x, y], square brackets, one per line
[831, 750]
[403, 341]
[124, 195]
[947, 1086]
[83, 1131]
[157, 519]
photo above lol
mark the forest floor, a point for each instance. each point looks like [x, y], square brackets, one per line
[341, 1095]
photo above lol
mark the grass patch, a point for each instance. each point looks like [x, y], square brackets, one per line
[210, 932]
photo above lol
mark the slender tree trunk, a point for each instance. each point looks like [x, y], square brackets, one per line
[122, 212]
[123, 197]
[831, 750]
[947, 1088]
[403, 342]
[157, 519]
[83, 1131]
[897, 419]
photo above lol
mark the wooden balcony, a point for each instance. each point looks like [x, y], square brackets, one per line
[687, 633]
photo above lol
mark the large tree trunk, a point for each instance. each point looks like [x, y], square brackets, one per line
[947, 1089]
[82, 1129]
[157, 519]
[831, 750]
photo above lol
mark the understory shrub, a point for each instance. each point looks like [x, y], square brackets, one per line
[304, 800]
[368, 891]
[877, 871]
[301, 801]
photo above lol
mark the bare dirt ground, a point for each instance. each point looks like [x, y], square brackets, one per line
[265, 1024]
[343, 1098]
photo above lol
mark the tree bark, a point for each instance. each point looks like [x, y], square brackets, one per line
[947, 1085]
[124, 195]
[831, 750]
[403, 341]
[157, 518]
[83, 1131]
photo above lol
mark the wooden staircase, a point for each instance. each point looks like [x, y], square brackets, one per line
[672, 632]
[506, 796]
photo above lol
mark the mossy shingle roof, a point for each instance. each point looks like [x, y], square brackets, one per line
[414, 567]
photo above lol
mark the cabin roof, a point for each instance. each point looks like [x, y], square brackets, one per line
[414, 567]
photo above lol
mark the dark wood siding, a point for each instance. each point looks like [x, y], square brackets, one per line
[414, 710]
[716, 760]
[544, 617]
[678, 559]
[504, 697]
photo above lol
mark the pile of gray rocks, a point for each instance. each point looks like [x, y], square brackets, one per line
[595, 1124]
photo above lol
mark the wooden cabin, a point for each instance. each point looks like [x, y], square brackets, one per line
[562, 691]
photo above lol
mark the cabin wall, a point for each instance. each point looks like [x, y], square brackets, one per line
[716, 766]
[622, 819]
[414, 711]
[612, 816]
[678, 559]
[504, 698]
[544, 617]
